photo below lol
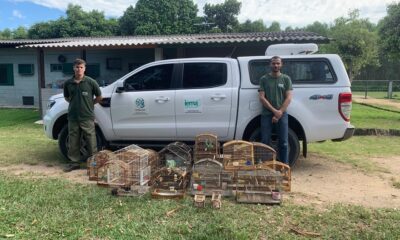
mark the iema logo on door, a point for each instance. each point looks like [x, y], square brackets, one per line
[140, 106]
[192, 105]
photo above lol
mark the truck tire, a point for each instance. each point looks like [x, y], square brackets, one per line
[63, 143]
[294, 144]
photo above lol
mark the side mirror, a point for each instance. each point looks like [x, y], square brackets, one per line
[120, 90]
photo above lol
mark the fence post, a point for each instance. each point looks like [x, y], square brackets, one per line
[366, 89]
[390, 89]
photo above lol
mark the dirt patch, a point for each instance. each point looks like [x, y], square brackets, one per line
[316, 181]
[376, 101]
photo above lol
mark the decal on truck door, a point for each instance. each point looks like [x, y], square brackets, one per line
[140, 105]
[192, 105]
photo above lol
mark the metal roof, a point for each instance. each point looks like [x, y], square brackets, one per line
[155, 40]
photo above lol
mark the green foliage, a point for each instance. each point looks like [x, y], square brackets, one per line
[159, 17]
[355, 41]
[318, 27]
[126, 22]
[78, 23]
[19, 33]
[274, 27]
[390, 32]
[255, 26]
[223, 15]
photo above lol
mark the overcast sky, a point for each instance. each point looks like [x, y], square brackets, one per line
[295, 13]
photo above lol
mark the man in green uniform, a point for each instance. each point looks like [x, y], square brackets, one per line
[82, 93]
[275, 95]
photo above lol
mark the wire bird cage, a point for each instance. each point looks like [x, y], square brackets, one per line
[284, 170]
[238, 154]
[96, 161]
[169, 183]
[176, 155]
[263, 153]
[208, 175]
[206, 146]
[262, 185]
[126, 167]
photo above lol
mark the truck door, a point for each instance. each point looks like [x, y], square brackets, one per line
[145, 109]
[204, 102]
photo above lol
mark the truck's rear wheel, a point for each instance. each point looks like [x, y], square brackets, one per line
[63, 143]
[294, 145]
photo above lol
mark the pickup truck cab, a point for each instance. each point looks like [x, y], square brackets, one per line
[174, 100]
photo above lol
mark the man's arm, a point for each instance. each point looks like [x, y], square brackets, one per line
[288, 99]
[266, 103]
[98, 99]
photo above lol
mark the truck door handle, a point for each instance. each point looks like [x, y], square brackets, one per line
[218, 97]
[162, 99]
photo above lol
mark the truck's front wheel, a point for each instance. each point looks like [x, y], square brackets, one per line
[294, 144]
[63, 143]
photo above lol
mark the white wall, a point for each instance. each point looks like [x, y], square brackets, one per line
[24, 85]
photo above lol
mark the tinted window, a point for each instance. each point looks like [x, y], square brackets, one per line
[152, 78]
[300, 71]
[204, 75]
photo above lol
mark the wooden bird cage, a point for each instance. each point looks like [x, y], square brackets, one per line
[96, 161]
[238, 154]
[211, 176]
[263, 153]
[206, 146]
[169, 183]
[285, 172]
[113, 173]
[258, 186]
[166, 178]
[126, 167]
[176, 155]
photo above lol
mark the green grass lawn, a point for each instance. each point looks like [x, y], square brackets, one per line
[381, 95]
[55, 208]
[369, 117]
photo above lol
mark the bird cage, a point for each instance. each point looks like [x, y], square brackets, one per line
[128, 166]
[169, 183]
[154, 160]
[263, 152]
[285, 172]
[209, 175]
[206, 146]
[258, 186]
[96, 161]
[176, 155]
[238, 154]
[113, 173]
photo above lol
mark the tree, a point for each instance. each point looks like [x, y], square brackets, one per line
[6, 34]
[224, 15]
[355, 41]
[126, 22]
[389, 31]
[78, 23]
[318, 27]
[274, 27]
[159, 17]
[249, 26]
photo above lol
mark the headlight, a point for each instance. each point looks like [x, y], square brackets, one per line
[50, 104]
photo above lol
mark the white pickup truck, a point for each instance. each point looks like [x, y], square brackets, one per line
[174, 100]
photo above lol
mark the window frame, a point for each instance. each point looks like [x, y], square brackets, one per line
[9, 67]
[225, 75]
[172, 85]
[26, 66]
[288, 60]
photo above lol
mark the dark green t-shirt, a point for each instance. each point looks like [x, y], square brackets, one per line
[275, 89]
[81, 98]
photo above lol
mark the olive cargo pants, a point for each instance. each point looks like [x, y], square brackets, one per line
[76, 130]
